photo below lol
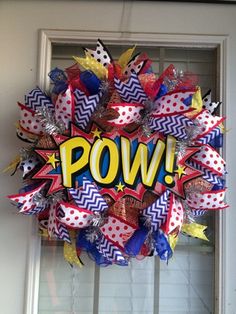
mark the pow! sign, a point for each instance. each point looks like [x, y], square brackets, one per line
[118, 162]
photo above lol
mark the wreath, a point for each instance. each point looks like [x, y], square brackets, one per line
[119, 161]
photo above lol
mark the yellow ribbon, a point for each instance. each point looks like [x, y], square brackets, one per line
[222, 128]
[197, 101]
[173, 239]
[195, 230]
[70, 254]
[125, 57]
[89, 63]
[13, 164]
[43, 232]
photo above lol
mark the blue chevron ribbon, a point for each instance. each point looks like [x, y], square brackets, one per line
[131, 91]
[84, 107]
[35, 210]
[36, 99]
[62, 233]
[207, 174]
[210, 136]
[211, 177]
[111, 252]
[171, 125]
[88, 197]
[158, 211]
[198, 212]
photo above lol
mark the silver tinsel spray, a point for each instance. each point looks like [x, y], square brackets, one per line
[47, 118]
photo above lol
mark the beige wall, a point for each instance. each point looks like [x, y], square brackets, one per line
[19, 25]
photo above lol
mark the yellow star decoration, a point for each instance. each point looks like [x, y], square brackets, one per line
[52, 160]
[96, 133]
[180, 171]
[120, 187]
[195, 230]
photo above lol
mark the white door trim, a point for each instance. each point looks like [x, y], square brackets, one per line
[49, 37]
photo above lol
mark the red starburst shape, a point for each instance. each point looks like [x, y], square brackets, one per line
[48, 170]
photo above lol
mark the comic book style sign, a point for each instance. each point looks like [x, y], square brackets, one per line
[119, 162]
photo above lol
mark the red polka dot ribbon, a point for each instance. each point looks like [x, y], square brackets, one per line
[128, 113]
[64, 108]
[208, 200]
[209, 158]
[29, 121]
[173, 103]
[75, 217]
[175, 216]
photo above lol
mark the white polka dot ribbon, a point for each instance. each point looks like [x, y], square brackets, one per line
[118, 230]
[209, 158]
[207, 122]
[100, 54]
[26, 200]
[75, 217]
[52, 220]
[135, 65]
[209, 200]
[208, 104]
[128, 113]
[64, 108]
[175, 215]
[29, 121]
[28, 165]
[173, 103]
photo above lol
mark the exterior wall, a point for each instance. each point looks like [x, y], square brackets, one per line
[19, 25]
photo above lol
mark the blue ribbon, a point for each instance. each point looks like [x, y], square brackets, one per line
[149, 70]
[28, 188]
[188, 101]
[162, 91]
[83, 243]
[219, 186]
[162, 245]
[91, 81]
[217, 142]
[135, 243]
[59, 79]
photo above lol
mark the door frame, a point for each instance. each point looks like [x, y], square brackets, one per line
[48, 37]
